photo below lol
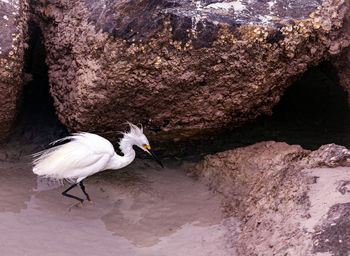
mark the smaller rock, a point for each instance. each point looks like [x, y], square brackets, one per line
[291, 201]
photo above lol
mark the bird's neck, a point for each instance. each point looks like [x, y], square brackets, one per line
[125, 146]
[118, 161]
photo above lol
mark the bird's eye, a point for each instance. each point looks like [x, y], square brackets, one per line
[146, 146]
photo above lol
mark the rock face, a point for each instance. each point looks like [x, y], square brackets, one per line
[342, 61]
[181, 68]
[13, 30]
[291, 201]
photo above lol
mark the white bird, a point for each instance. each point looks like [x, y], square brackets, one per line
[86, 154]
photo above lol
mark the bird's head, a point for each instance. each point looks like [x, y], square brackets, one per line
[135, 136]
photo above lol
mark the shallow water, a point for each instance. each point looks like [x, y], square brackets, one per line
[141, 210]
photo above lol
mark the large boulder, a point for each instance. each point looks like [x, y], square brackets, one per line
[291, 201]
[181, 68]
[13, 20]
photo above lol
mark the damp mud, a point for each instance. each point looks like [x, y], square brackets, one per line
[140, 210]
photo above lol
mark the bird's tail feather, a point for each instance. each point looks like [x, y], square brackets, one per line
[47, 161]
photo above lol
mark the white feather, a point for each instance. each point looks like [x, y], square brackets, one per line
[84, 155]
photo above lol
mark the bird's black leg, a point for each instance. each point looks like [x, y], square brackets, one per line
[64, 193]
[83, 189]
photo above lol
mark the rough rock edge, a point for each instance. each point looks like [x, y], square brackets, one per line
[12, 62]
[342, 61]
[265, 187]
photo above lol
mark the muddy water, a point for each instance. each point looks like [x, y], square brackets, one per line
[142, 210]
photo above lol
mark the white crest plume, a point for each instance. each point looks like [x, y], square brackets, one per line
[134, 136]
[134, 129]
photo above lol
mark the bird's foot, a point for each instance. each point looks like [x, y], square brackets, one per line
[78, 204]
[90, 201]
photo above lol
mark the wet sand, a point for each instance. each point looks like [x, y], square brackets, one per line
[140, 210]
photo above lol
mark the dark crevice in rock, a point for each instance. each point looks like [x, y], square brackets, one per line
[37, 121]
[315, 107]
[312, 112]
[36, 94]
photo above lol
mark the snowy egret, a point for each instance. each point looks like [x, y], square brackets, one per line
[86, 154]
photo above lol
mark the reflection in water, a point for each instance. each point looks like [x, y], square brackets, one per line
[141, 211]
[43, 184]
[16, 187]
[161, 206]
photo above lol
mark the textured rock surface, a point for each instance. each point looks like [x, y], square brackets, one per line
[12, 27]
[342, 61]
[180, 67]
[288, 198]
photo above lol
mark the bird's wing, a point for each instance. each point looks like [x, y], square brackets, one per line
[81, 157]
[93, 142]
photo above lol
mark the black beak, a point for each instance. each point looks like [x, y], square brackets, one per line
[155, 157]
